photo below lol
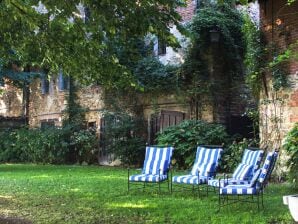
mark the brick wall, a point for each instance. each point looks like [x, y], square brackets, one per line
[279, 23]
[188, 11]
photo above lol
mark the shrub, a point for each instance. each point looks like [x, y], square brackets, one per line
[291, 146]
[186, 136]
[124, 137]
[51, 145]
[84, 144]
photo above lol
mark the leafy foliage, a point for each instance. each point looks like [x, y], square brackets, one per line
[59, 35]
[197, 79]
[186, 136]
[291, 147]
[123, 137]
[49, 145]
[84, 144]
[258, 62]
[254, 55]
[154, 77]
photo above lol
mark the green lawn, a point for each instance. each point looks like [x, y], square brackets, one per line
[81, 194]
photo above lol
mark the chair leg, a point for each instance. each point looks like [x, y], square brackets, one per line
[219, 202]
[258, 198]
[128, 179]
[159, 187]
[262, 199]
[207, 190]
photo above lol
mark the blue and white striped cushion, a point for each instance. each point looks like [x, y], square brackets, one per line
[215, 182]
[157, 160]
[189, 179]
[243, 172]
[206, 162]
[255, 178]
[206, 168]
[259, 176]
[205, 156]
[147, 178]
[252, 158]
[266, 166]
[238, 189]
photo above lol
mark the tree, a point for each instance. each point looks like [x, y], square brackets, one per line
[80, 36]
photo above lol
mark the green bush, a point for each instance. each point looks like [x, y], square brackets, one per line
[51, 145]
[186, 136]
[124, 137]
[291, 146]
[84, 144]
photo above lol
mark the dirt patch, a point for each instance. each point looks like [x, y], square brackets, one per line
[13, 220]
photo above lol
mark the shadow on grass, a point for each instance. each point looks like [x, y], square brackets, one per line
[14, 220]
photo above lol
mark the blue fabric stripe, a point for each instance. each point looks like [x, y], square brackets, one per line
[154, 153]
[188, 179]
[160, 156]
[147, 178]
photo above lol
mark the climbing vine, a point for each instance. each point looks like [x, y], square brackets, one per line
[197, 77]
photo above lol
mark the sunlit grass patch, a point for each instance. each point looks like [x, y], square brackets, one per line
[92, 194]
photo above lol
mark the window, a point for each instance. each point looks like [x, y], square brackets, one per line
[63, 82]
[162, 47]
[45, 84]
[47, 123]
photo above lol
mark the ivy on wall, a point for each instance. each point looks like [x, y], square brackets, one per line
[204, 56]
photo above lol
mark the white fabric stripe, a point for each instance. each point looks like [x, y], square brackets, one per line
[155, 161]
[199, 156]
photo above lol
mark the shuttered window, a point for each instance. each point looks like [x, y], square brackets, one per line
[45, 84]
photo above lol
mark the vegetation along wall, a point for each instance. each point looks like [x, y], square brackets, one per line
[278, 104]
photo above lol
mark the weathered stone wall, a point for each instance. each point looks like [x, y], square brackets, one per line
[51, 106]
[11, 101]
[279, 110]
[48, 106]
[91, 98]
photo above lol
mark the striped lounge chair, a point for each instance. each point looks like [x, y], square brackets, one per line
[249, 191]
[156, 167]
[243, 174]
[204, 167]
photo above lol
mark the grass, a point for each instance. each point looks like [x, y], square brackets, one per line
[81, 194]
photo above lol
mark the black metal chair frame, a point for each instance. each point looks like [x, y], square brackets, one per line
[143, 184]
[225, 176]
[191, 187]
[224, 200]
[186, 187]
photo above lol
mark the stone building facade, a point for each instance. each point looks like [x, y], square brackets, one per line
[48, 98]
[12, 107]
[49, 107]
